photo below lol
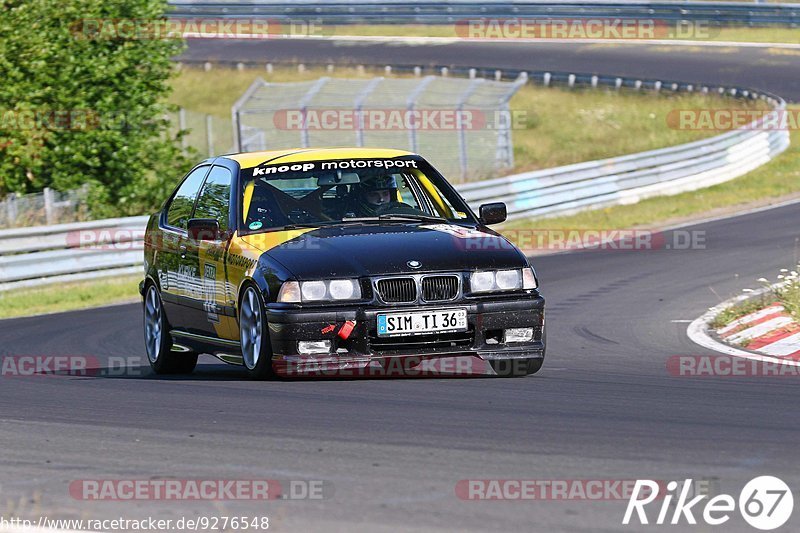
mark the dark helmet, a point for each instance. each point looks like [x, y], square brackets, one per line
[380, 183]
[386, 183]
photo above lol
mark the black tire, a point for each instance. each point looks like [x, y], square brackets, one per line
[253, 335]
[158, 343]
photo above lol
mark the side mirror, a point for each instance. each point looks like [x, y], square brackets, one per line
[203, 229]
[494, 213]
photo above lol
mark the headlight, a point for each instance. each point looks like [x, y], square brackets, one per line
[318, 291]
[502, 280]
[344, 289]
[313, 290]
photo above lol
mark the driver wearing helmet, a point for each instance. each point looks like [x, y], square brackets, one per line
[374, 196]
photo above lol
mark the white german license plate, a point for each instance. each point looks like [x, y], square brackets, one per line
[437, 321]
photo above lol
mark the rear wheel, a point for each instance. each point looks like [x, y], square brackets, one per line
[158, 342]
[256, 348]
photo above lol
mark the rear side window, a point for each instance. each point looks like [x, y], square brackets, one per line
[214, 201]
[180, 209]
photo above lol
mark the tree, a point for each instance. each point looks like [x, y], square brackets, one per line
[83, 100]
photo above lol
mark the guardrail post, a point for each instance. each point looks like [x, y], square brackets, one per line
[11, 209]
[498, 75]
[49, 208]
[571, 80]
[546, 79]
[417, 72]
[444, 72]
[269, 68]
[618, 84]
[472, 73]
[595, 79]
[657, 86]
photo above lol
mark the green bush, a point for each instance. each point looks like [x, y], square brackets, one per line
[80, 107]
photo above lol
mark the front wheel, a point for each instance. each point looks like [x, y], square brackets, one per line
[158, 342]
[256, 348]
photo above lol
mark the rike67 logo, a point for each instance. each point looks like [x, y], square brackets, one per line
[765, 503]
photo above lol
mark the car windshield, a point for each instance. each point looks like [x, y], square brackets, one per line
[316, 193]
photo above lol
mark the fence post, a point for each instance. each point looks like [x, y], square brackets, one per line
[182, 126]
[49, 208]
[210, 135]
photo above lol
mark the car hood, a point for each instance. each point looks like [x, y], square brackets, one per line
[377, 249]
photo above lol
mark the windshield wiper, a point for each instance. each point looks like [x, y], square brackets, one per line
[379, 218]
[297, 225]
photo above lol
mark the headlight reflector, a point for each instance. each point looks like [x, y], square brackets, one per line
[313, 290]
[343, 289]
[318, 291]
[502, 280]
[481, 281]
[508, 279]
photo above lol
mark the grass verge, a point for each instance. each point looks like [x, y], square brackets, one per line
[68, 296]
[787, 294]
[776, 179]
[728, 315]
[701, 33]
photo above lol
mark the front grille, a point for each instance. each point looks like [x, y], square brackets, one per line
[397, 290]
[439, 288]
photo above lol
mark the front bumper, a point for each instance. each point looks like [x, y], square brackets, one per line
[364, 351]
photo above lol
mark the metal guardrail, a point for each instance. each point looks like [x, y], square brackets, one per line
[443, 11]
[70, 252]
[631, 178]
[61, 253]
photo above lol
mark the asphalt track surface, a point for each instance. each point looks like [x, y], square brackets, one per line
[603, 407]
[771, 69]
